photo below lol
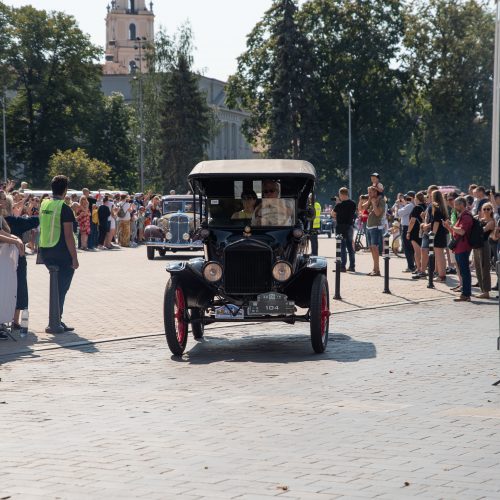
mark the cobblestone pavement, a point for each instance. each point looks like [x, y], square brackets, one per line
[119, 294]
[400, 406]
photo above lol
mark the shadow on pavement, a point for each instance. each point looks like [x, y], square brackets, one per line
[277, 349]
[32, 346]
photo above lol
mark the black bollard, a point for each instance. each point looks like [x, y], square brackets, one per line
[386, 263]
[431, 261]
[338, 266]
[498, 278]
[54, 309]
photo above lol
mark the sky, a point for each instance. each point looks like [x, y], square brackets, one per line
[220, 27]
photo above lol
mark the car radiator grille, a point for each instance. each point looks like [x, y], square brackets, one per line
[247, 270]
[179, 224]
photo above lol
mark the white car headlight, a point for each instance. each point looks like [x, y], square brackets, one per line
[185, 236]
[282, 271]
[169, 236]
[212, 272]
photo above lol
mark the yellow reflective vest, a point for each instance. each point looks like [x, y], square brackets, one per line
[50, 223]
[317, 220]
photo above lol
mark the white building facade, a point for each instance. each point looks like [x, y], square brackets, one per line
[129, 26]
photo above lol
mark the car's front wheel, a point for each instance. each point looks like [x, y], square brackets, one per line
[197, 326]
[319, 311]
[175, 317]
[162, 252]
[151, 253]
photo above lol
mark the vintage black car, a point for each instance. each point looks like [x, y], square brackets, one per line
[327, 224]
[176, 228]
[255, 231]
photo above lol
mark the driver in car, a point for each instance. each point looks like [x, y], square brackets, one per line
[273, 211]
[249, 200]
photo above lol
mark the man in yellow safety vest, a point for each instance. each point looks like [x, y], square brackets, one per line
[57, 243]
[315, 228]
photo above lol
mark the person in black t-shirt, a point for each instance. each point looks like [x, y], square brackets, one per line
[63, 254]
[344, 214]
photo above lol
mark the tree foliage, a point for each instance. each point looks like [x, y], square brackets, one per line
[82, 170]
[420, 74]
[56, 79]
[113, 143]
[178, 123]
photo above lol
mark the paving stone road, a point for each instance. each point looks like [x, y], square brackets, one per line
[400, 406]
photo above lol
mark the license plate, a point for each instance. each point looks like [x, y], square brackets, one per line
[229, 311]
[274, 304]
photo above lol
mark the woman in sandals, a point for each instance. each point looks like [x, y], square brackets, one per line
[413, 233]
[439, 214]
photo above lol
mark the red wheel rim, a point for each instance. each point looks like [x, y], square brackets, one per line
[179, 314]
[325, 314]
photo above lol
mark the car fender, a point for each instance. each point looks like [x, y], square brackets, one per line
[197, 291]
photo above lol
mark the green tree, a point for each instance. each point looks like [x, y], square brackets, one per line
[57, 82]
[185, 124]
[113, 142]
[82, 170]
[273, 83]
[449, 55]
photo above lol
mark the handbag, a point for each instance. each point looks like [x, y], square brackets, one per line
[453, 243]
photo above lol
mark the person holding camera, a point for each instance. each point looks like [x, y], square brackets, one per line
[405, 209]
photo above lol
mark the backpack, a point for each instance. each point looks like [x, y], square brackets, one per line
[121, 213]
[476, 236]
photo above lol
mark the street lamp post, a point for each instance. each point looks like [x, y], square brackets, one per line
[350, 147]
[140, 46]
[495, 137]
[4, 109]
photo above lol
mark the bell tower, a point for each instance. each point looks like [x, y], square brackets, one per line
[129, 26]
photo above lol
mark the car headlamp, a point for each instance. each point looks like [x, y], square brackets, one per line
[169, 236]
[282, 271]
[185, 236]
[212, 272]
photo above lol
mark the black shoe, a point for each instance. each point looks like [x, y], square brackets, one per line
[495, 287]
[352, 270]
[67, 328]
[343, 269]
[475, 285]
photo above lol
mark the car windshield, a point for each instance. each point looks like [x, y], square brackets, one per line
[248, 210]
[172, 206]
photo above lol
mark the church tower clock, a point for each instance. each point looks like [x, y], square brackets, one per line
[129, 26]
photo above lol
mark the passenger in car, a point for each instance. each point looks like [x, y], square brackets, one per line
[249, 201]
[273, 211]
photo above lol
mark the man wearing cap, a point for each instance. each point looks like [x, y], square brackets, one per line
[404, 214]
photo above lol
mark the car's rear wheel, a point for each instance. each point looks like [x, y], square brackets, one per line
[175, 317]
[319, 311]
[197, 326]
[151, 253]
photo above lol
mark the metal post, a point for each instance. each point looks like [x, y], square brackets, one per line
[431, 261]
[495, 133]
[350, 148]
[338, 266]
[4, 129]
[498, 278]
[140, 45]
[54, 308]
[387, 258]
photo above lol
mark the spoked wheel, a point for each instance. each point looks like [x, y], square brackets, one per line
[175, 317]
[197, 327]
[151, 253]
[319, 311]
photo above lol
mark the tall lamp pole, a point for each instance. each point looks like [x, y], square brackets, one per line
[140, 45]
[350, 148]
[4, 129]
[495, 139]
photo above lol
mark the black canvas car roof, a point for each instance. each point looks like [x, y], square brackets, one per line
[262, 169]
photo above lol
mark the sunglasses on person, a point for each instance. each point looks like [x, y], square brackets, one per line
[486, 209]
[269, 191]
